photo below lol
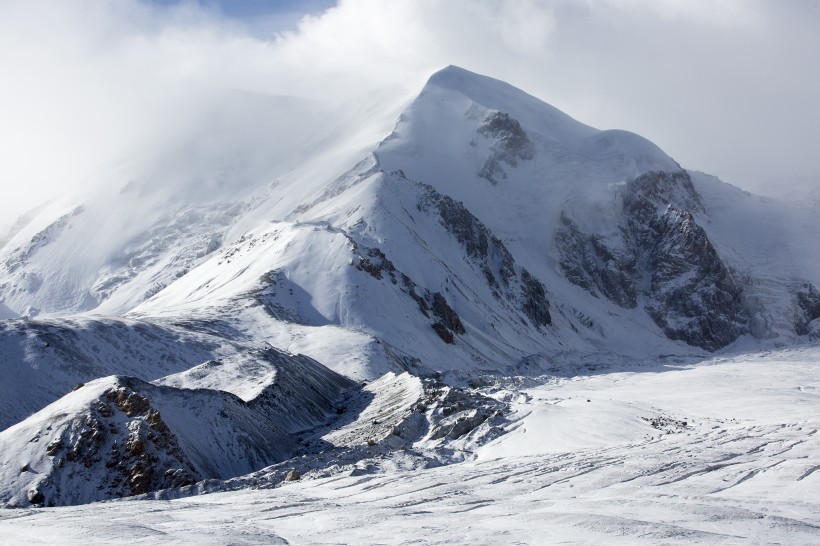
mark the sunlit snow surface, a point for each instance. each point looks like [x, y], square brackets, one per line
[597, 458]
[421, 267]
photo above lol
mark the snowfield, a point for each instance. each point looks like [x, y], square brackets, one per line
[723, 451]
[493, 324]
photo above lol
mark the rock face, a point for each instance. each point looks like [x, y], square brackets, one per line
[601, 266]
[807, 309]
[433, 305]
[511, 144]
[509, 283]
[660, 258]
[117, 446]
[508, 280]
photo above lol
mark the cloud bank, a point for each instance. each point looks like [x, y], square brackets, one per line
[729, 87]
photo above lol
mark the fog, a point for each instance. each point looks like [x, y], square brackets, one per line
[729, 87]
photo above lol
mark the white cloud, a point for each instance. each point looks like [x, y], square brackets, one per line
[729, 13]
[726, 86]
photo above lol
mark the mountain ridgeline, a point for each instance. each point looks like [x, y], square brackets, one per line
[487, 233]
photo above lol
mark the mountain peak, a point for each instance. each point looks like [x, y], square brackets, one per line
[475, 86]
[494, 94]
[455, 76]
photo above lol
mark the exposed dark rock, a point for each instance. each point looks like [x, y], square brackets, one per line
[666, 424]
[411, 290]
[534, 299]
[509, 282]
[105, 410]
[808, 308]
[443, 332]
[481, 245]
[663, 255]
[469, 231]
[512, 144]
[458, 412]
[54, 447]
[446, 315]
[130, 403]
[140, 477]
[36, 497]
[376, 263]
[139, 457]
[155, 421]
[588, 262]
[693, 295]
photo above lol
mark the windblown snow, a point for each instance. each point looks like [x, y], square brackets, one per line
[495, 324]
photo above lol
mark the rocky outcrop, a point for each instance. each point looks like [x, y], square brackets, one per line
[807, 309]
[457, 412]
[444, 320]
[600, 266]
[120, 446]
[120, 436]
[511, 145]
[534, 301]
[448, 320]
[508, 281]
[661, 258]
[692, 295]
[373, 261]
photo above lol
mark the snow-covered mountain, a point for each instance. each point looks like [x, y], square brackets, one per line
[487, 233]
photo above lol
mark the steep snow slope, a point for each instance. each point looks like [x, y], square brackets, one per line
[41, 361]
[573, 203]
[315, 274]
[398, 261]
[489, 201]
[555, 196]
[772, 244]
[512, 159]
[154, 216]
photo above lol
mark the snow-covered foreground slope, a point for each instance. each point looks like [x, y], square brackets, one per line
[725, 451]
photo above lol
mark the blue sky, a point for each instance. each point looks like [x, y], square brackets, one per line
[260, 16]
